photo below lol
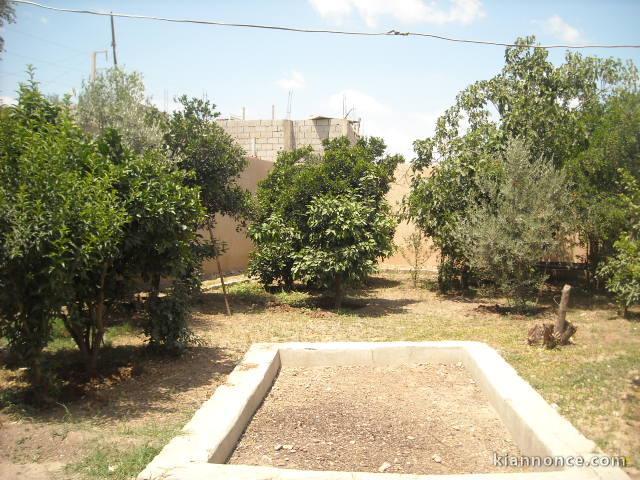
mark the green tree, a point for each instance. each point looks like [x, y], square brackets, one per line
[597, 175]
[346, 235]
[552, 108]
[80, 221]
[523, 216]
[116, 99]
[60, 222]
[8, 15]
[198, 145]
[323, 219]
[621, 271]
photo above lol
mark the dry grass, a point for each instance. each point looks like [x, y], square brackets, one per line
[143, 400]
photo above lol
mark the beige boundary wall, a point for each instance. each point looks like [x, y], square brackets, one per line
[262, 140]
[236, 257]
[201, 450]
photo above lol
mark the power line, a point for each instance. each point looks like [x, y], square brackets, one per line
[391, 33]
[12, 29]
[60, 64]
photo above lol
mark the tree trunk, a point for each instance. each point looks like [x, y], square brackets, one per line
[97, 335]
[155, 286]
[561, 320]
[339, 292]
[224, 287]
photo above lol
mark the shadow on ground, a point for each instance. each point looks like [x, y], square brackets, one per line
[367, 301]
[132, 382]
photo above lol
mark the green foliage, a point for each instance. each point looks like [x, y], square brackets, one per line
[8, 15]
[554, 109]
[597, 175]
[622, 273]
[167, 327]
[324, 219]
[346, 236]
[622, 270]
[116, 100]
[274, 259]
[416, 253]
[214, 160]
[80, 221]
[60, 221]
[522, 218]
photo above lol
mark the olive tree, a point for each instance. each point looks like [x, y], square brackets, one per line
[116, 99]
[522, 217]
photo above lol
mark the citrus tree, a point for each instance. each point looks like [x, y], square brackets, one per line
[323, 219]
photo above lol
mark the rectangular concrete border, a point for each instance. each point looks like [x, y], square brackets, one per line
[207, 441]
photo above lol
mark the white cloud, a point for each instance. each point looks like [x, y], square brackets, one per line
[398, 129]
[7, 100]
[556, 26]
[44, 20]
[407, 11]
[292, 82]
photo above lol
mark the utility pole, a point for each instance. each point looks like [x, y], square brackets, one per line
[113, 42]
[93, 62]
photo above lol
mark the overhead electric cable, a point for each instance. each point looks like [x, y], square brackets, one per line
[391, 33]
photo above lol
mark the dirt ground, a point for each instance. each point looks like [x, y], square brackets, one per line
[111, 427]
[409, 419]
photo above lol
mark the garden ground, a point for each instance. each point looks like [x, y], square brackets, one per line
[111, 427]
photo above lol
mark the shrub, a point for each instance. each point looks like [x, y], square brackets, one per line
[416, 253]
[523, 216]
[80, 221]
[345, 237]
[324, 219]
[622, 273]
[61, 225]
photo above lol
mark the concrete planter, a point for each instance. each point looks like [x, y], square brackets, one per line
[208, 440]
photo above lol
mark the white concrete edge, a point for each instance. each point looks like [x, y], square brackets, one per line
[210, 471]
[214, 430]
[216, 427]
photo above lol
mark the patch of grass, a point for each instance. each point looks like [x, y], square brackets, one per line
[113, 463]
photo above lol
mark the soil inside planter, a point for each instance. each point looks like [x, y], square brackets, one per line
[410, 419]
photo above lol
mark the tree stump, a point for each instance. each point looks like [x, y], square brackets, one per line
[550, 335]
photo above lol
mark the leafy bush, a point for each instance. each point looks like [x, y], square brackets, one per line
[621, 271]
[80, 221]
[61, 224]
[324, 219]
[346, 236]
[523, 216]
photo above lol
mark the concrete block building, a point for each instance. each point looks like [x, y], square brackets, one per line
[263, 139]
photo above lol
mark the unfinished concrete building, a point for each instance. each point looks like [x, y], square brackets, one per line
[263, 139]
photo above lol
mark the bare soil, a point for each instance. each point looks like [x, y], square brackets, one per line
[410, 419]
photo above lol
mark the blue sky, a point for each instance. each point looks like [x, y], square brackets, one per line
[398, 86]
